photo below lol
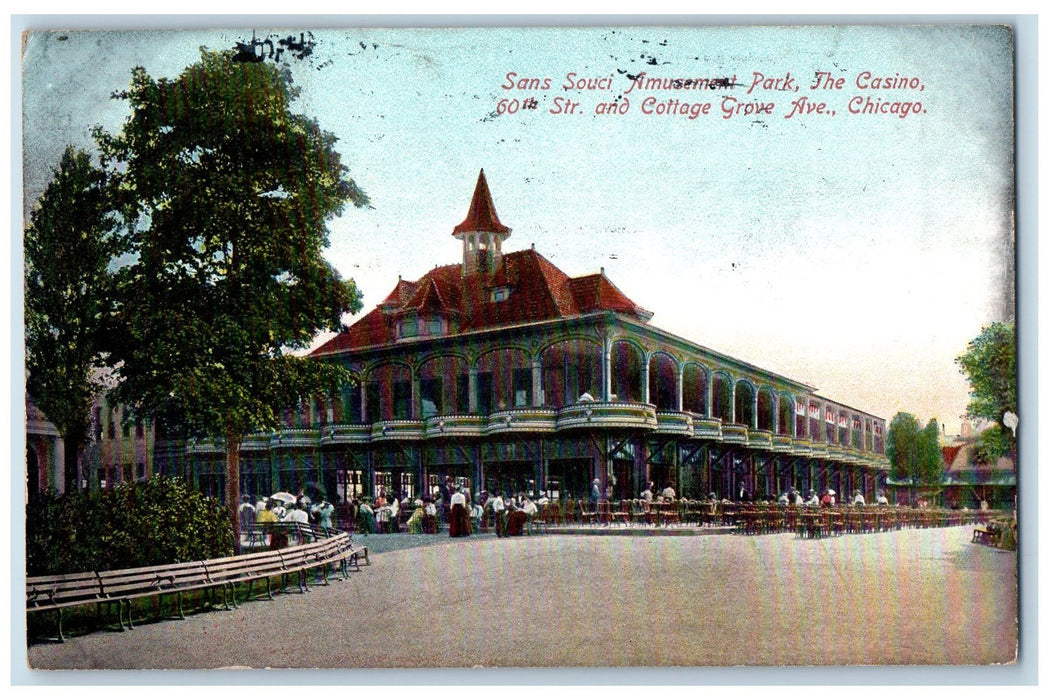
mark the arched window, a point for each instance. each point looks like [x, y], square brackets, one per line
[694, 389]
[766, 410]
[722, 407]
[626, 372]
[571, 368]
[504, 380]
[389, 395]
[745, 403]
[444, 387]
[662, 381]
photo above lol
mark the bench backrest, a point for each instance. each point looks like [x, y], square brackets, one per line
[62, 590]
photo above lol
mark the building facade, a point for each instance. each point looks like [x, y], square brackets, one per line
[504, 373]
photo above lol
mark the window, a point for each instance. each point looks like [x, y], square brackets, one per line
[111, 429]
[410, 327]
[434, 327]
[402, 398]
[139, 428]
[500, 294]
[522, 387]
[430, 396]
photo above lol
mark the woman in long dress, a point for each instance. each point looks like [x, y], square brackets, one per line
[458, 517]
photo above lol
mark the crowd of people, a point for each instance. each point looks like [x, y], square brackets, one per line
[283, 507]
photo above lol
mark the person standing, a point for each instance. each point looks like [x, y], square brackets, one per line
[323, 512]
[498, 508]
[595, 491]
[458, 519]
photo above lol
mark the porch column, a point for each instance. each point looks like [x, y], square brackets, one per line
[644, 381]
[708, 404]
[754, 411]
[680, 388]
[538, 393]
[471, 383]
[606, 350]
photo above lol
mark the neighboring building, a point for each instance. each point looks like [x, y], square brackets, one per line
[505, 373]
[45, 453]
[966, 484]
[115, 451]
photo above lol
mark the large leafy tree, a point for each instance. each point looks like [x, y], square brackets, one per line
[70, 242]
[914, 450]
[903, 446]
[989, 363]
[229, 194]
[930, 461]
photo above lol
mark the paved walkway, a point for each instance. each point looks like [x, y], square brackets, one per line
[908, 597]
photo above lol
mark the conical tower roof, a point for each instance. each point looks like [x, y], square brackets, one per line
[482, 216]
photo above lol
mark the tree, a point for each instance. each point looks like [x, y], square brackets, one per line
[70, 242]
[914, 451]
[990, 445]
[989, 363]
[930, 460]
[229, 194]
[903, 447]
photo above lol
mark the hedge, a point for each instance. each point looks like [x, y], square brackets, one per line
[159, 521]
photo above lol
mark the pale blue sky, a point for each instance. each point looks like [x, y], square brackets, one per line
[856, 253]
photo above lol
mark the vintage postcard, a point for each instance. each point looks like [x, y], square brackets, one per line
[648, 346]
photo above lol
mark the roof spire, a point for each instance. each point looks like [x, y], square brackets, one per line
[482, 216]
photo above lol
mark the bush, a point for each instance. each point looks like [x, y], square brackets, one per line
[160, 521]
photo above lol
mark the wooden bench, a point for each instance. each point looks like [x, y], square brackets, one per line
[45, 593]
[120, 587]
[985, 534]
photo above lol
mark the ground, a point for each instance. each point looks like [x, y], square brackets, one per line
[925, 596]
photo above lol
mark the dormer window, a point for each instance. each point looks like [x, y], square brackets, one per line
[500, 294]
[434, 327]
[410, 327]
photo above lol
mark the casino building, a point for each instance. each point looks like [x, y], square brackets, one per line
[503, 372]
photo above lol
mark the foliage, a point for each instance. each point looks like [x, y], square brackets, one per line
[229, 195]
[914, 450]
[930, 461]
[70, 241]
[989, 363]
[990, 445]
[902, 446]
[160, 521]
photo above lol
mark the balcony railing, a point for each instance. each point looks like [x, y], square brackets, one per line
[521, 420]
[397, 430]
[674, 423]
[734, 433]
[454, 426]
[600, 414]
[706, 427]
[760, 439]
[346, 434]
[782, 443]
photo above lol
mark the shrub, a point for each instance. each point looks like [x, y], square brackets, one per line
[160, 521]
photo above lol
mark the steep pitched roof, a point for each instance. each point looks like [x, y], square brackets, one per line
[538, 291]
[595, 292]
[482, 216]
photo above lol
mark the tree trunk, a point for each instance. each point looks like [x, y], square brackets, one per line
[233, 483]
[74, 449]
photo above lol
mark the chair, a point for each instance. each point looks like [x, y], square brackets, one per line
[586, 516]
[604, 513]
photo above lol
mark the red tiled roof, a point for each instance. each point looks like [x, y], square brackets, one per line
[595, 292]
[539, 291]
[949, 453]
[482, 216]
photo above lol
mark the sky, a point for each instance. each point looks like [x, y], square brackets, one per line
[858, 253]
